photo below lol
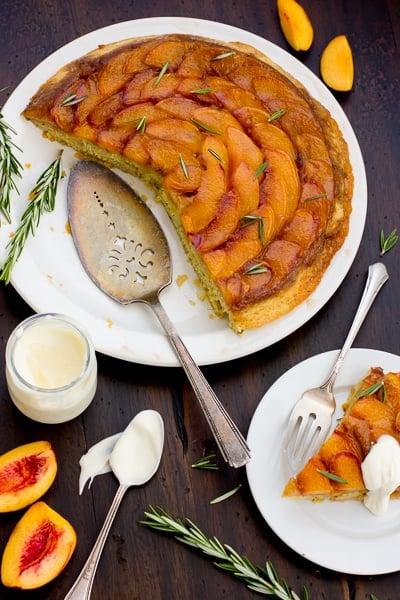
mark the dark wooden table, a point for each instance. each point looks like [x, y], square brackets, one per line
[139, 563]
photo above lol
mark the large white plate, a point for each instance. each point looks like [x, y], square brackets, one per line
[343, 536]
[50, 278]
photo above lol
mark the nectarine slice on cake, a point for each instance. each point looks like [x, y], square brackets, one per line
[112, 76]
[38, 549]
[269, 136]
[145, 112]
[242, 148]
[215, 120]
[166, 155]
[168, 51]
[178, 106]
[221, 227]
[246, 186]
[203, 208]
[159, 87]
[26, 473]
[178, 131]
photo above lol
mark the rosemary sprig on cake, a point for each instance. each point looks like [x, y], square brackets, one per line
[42, 198]
[262, 580]
[10, 167]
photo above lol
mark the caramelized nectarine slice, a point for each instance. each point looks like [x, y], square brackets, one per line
[203, 208]
[303, 229]
[184, 180]
[177, 131]
[105, 110]
[159, 87]
[133, 89]
[311, 481]
[196, 62]
[269, 136]
[346, 465]
[38, 548]
[167, 51]
[229, 258]
[136, 149]
[284, 168]
[242, 148]
[178, 107]
[26, 473]
[215, 120]
[112, 76]
[136, 113]
[166, 155]
[282, 257]
[221, 227]
[246, 186]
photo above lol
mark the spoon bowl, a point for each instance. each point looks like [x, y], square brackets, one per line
[143, 439]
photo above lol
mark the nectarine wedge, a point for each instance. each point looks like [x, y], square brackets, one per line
[337, 66]
[38, 548]
[296, 25]
[26, 473]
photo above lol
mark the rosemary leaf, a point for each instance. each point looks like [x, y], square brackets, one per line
[260, 170]
[316, 197]
[184, 167]
[205, 127]
[276, 115]
[226, 495]
[42, 198]
[161, 74]
[372, 389]
[205, 90]
[249, 219]
[387, 243]
[332, 476]
[256, 269]
[206, 462]
[72, 99]
[10, 167]
[141, 125]
[224, 55]
[261, 580]
[215, 154]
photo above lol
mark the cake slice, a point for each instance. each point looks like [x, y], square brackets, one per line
[335, 471]
[254, 173]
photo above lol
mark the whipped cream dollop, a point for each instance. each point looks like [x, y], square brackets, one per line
[96, 460]
[381, 473]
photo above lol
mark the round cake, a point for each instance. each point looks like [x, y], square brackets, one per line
[254, 173]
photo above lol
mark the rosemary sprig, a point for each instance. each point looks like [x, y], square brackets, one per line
[205, 90]
[224, 55]
[264, 581]
[260, 170]
[276, 115]
[372, 389]
[71, 99]
[161, 74]
[184, 166]
[332, 476]
[387, 243]
[201, 125]
[10, 167]
[249, 219]
[226, 495]
[215, 154]
[42, 198]
[206, 462]
[141, 125]
[256, 269]
[316, 197]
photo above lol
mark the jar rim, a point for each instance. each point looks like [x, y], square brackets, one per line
[34, 320]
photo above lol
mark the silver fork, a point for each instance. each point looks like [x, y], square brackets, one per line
[311, 418]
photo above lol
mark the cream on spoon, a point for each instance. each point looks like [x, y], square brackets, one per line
[134, 460]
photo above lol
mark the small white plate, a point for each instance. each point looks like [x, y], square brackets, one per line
[343, 536]
[50, 277]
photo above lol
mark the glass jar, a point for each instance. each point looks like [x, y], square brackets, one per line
[51, 368]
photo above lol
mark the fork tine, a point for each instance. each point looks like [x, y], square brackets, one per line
[307, 436]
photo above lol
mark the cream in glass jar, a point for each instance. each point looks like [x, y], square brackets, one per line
[51, 368]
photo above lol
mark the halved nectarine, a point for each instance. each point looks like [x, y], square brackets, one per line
[26, 473]
[38, 548]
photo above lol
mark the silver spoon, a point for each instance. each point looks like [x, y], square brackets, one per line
[125, 252]
[143, 439]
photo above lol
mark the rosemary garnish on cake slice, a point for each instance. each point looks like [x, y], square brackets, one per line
[161, 74]
[72, 99]
[373, 389]
[260, 170]
[262, 580]
[250, 219]
[42, 198]
[184, 166]
[10, 167]
[332, 476]
[256, 269]
[276, 115]
[224, 55]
